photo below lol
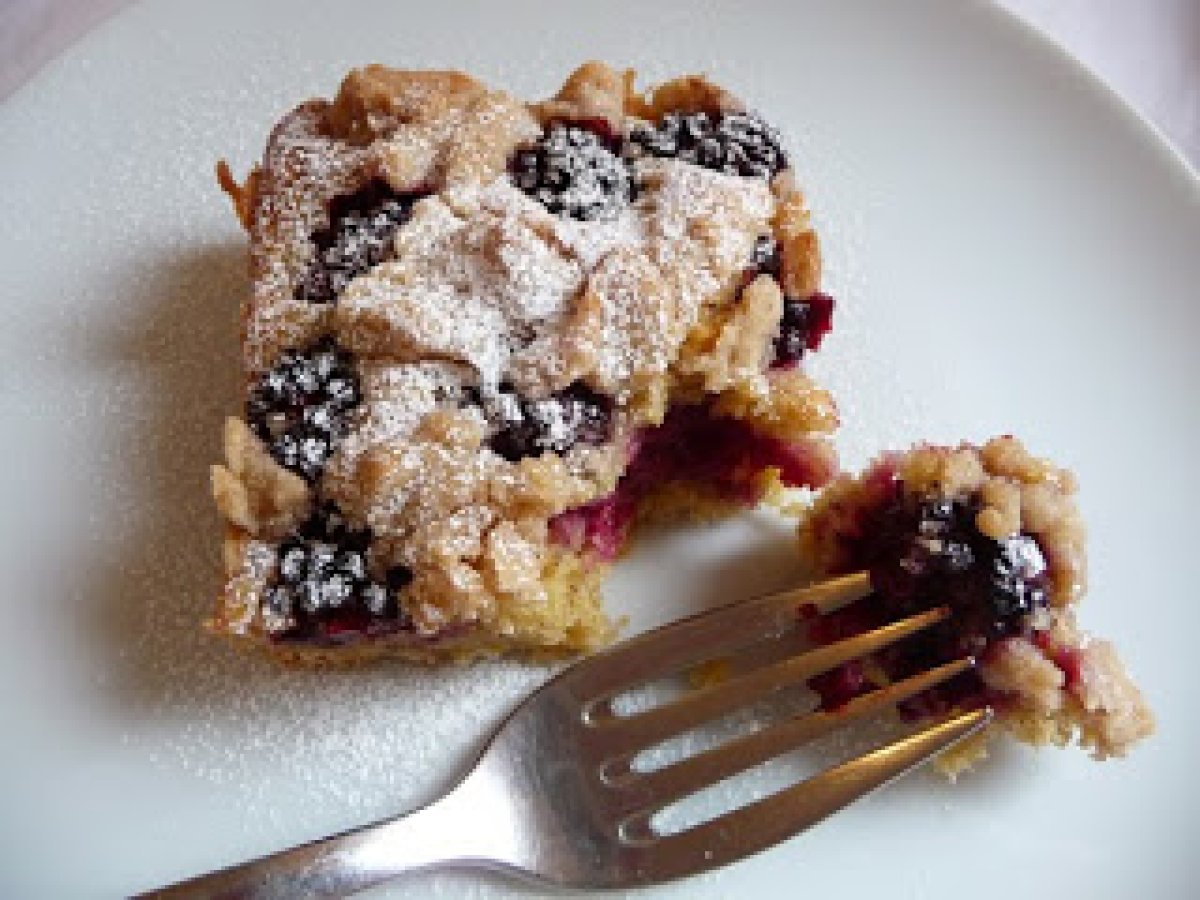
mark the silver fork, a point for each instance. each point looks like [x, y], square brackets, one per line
[554, 796]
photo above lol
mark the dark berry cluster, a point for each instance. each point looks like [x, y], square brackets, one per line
[930, 553]
[524, 427]
[323, 588]
[765, 258]
[804, 322]
[359, 236]
[573, 172]
[803, 326]
[924, 554]
[299, 408]
[734, 143]
[1017, 574]
[580, 170]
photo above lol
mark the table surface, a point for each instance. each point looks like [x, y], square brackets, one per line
[1148, 51]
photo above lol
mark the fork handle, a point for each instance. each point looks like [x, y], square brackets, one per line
[340, 865]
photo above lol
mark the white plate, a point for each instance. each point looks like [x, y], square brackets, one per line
[1013, 251]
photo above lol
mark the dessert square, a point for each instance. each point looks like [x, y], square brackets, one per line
[992, 533]
[487, 337]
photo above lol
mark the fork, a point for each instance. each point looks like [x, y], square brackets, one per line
[554, 796]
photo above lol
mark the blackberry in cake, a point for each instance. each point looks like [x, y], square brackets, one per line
[323, 588]
[571, 171]
[299, 408]
[359, 236]
[487, 337]
[993, 534]
[726, 141]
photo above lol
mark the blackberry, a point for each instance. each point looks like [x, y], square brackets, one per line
[927, 553]
[803, 326]
[359, 237]
[524, 427]
[572, 172]
[734, 143]
[322, 586]
[931, 552]
[1017, 571]
[299, 408]
[804, 323]
[765, 258]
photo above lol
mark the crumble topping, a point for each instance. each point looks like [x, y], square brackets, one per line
[252, 491]
[521, 298]
[571, 172]
[994, 533]
[470, 286]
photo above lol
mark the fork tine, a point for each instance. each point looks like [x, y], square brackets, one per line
[652, 791]
[720, 631]
[620, 735]
[766, 822]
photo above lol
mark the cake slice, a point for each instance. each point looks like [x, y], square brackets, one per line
[488, 336]
[993, 534]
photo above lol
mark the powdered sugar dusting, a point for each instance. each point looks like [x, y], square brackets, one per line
[701, 211]
[483, 272]
[589, 242]
[698, 230]
[395, 399]
[304, 170]
[241, 597]
[474, 275]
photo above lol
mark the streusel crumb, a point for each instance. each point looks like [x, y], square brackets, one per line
[994, 533]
